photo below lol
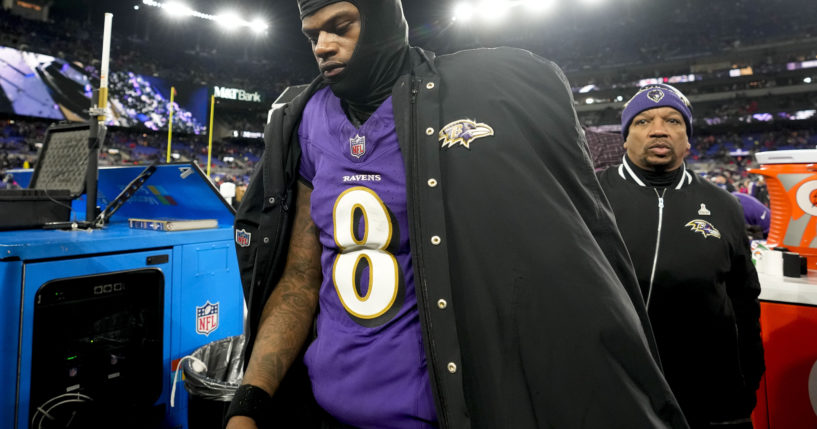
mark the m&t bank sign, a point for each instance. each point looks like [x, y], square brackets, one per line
[236, 94]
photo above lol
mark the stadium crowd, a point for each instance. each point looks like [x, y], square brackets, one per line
[648, 32]
[728, 130]
[231, 159]
[68, 38]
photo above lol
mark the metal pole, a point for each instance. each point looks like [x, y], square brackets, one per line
[97, 119]
[103, 75]
[91, 175]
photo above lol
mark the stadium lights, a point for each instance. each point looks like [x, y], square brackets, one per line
[463, 11]
[587, 88]
[537, 5]
[258, 25]
[178, 10]
[227, 20]
[492, 10]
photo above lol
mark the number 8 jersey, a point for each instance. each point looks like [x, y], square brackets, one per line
[367, 364]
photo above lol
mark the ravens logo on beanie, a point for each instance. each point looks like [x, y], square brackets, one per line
[651, 97]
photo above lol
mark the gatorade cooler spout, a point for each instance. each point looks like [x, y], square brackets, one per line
[791, 178]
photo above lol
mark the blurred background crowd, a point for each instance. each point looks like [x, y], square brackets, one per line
[749, 69]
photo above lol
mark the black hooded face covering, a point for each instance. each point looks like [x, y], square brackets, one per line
[380, 57]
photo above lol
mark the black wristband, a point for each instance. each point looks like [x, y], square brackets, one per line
[250, 401]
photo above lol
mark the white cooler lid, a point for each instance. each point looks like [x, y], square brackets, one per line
[797, 156]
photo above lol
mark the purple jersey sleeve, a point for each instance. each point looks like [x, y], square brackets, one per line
[306, 169]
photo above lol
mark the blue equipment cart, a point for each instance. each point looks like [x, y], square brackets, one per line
[95, 320]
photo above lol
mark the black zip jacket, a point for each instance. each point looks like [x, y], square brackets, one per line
[692, 258]
[530, 310]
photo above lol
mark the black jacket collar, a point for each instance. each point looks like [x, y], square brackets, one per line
[627, 173]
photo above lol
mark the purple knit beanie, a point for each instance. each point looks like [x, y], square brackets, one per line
[652, 96]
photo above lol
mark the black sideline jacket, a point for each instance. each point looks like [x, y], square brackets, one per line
[703, 298]
[544, 324]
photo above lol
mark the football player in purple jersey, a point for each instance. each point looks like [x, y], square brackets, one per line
[425, 245]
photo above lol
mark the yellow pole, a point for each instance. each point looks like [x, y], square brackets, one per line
[210, 139]
[103, 75]
[170, 122]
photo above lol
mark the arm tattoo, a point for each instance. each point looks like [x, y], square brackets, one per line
[289, 312]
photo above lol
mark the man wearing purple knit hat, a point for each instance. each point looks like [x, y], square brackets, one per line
[687, 242]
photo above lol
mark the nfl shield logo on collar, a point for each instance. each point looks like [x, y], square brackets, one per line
[242, 237]
[357, 145]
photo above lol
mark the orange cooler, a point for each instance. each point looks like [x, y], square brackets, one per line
[791, 177]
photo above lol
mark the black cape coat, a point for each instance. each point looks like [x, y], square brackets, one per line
[544, 324]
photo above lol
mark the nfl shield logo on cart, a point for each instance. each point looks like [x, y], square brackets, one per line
[206, 318]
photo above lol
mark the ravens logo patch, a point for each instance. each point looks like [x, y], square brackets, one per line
[463, 131]
[704, 227]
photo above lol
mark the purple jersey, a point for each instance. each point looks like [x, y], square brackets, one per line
[367, 365]
[754, 212]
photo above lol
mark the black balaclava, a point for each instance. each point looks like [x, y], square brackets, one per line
[380, 57]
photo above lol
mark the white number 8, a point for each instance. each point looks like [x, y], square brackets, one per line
[385, 285]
